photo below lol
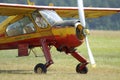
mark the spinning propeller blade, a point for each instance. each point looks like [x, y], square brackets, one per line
[82, 20]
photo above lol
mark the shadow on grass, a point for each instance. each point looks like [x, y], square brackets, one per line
[50, 72]
[17, 71]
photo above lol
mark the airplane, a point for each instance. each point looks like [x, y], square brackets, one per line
[30, 26]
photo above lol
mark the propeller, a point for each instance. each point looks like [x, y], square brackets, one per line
[83, 23]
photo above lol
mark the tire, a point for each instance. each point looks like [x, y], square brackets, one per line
[40, 68]
[84, 70]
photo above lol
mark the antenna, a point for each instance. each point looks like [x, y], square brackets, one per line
[30, 3]
[51, 4]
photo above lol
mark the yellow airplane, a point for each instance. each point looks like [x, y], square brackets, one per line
[30, 26]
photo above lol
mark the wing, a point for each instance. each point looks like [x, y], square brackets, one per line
[65, 12]
[14, 9]
[90, 12]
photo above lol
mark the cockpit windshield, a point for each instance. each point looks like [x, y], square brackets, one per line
[51, 16]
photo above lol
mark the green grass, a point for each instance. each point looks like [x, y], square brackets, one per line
[105, 46]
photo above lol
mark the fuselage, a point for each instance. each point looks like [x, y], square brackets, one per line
[62, 35]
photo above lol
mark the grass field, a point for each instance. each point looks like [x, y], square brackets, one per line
[105, 46]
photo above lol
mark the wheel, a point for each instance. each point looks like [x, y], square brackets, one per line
[40, 68]
[84, 70]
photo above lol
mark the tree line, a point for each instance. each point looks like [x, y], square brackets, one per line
[104, 23]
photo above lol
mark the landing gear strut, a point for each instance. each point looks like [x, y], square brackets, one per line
[42, 68]
[81, 67]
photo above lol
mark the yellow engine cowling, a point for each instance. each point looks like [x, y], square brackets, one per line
[79, 31]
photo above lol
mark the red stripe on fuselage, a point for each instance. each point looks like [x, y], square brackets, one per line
[68, 41]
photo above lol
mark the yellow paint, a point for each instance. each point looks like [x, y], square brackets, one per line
[51, 4]
[86, 31]
[63, 32]
[8, 21]
[65, 12]
[94, 66]
[25, 37]
[49, 31]
[30, 3]
[89, 13]
[11, 10]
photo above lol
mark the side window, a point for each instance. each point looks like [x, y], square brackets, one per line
[22, 26]
[39, 20]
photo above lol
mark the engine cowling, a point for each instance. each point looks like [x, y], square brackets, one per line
[79, 31]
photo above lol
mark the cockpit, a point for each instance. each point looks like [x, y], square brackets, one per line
[42, 18]
[22, 26]
[51, 16]
[55, 20]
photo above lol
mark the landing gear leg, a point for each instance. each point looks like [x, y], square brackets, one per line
[42, 68]
[81, 67]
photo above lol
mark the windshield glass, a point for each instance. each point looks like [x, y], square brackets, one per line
[51, 16]
[22, 26]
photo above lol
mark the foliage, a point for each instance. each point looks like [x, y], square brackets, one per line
[105, 23]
